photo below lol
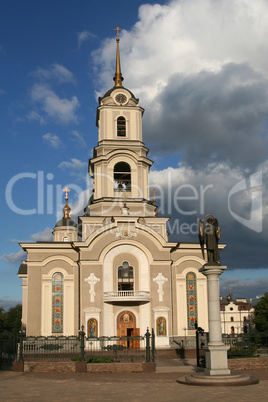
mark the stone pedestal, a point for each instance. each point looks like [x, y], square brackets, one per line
[216, 371]
[216, 351]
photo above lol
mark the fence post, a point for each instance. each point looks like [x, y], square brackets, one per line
[147, 336]
[153, 345]
[82, 344]
[21, 346]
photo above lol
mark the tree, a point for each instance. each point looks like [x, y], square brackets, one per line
[11, 320]
[2, 319]
[261, 314]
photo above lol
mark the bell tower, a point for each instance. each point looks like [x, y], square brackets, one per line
[120, 166]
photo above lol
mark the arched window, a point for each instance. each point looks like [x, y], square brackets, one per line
[232, 319]
[57, 303]
[125, 277]
[122, 177]
[121, 126]
[191, 299]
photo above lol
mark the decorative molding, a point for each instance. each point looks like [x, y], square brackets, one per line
[126, 234]
[92, 280]
[160, 280]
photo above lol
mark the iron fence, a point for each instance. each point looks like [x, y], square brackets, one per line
[243, 345]
[127, 348]
[245, 340]
[8, 349]
[50, 347]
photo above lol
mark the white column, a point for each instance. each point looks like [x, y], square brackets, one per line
[214, 317]
[216, 352]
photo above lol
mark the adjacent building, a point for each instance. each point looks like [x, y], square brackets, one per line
[236, 315]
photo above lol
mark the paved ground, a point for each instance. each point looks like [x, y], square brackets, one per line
[159, 386]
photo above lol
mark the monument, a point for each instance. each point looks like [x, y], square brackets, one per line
[216, 371]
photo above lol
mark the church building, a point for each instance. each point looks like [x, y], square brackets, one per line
[114, 271]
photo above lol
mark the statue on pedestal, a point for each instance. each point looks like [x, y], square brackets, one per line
[209, 231]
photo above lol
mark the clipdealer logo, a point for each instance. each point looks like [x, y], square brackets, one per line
[255, 189]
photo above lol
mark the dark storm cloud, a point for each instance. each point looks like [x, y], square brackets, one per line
[243, 287]
[207, 192]
[220, 116]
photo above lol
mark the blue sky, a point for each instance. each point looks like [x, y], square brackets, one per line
[201, 77]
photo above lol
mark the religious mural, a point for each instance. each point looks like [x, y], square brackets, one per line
[57, 303]
[92, 328]
[191, 299]
[161, 326]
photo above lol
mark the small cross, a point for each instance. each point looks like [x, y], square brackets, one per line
[66, 190]
[154, 192]
[117, 33]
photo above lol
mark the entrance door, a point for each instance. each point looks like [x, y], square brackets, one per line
[126, 326]
[135, 343]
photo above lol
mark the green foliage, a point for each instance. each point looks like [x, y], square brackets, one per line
[100, 360]
[261, 314]
[2, 319]
[242, 352]
[11, 320]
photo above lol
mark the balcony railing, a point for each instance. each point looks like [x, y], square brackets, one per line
[127, 295]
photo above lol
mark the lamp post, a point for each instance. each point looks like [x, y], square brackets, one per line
[185, 331]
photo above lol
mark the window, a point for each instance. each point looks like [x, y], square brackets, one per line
[122, 177]
[125, 277]
[191, 299]
[232, 319]
[121, 126]
[57, 303]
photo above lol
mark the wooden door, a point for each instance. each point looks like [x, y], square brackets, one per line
[136, 342]
[126, 324]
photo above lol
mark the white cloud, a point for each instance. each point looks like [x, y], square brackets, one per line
[61, 110]
[8, 303]
[77, 170]
[200, 70]
[56, 72]
[78, 138]
[14, 258]
[53, 140]
[43, 235]
[84, 36]
[187, 36]
[33, 115]
[74, 164]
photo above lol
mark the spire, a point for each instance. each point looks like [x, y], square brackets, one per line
[66, 209]
[118, 75]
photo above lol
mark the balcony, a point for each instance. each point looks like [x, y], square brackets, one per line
[127, 297]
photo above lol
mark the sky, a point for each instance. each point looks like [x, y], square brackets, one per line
[200, 70]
